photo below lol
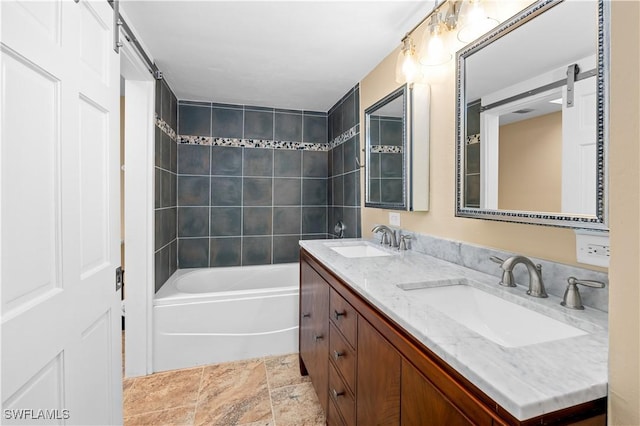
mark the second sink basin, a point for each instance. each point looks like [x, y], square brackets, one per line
[360, 250]
[503, 322]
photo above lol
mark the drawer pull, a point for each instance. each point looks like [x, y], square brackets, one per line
[319, 337]
[337, 314]
[336, 394]
[337, 354]
[306, 315]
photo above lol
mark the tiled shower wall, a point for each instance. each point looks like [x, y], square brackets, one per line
[385, 159]
[344, 170]
[165, 183]
[251, 182]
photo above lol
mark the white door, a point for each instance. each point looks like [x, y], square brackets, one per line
[579, 150]
[59, 214]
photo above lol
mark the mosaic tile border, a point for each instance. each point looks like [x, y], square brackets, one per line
[166, 128]
[344, 137]
[265, 143]
[471, 139]
[386, 149]
[252, 143]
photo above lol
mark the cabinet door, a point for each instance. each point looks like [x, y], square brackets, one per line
[314, 329]
[378, 382]
[423, 404]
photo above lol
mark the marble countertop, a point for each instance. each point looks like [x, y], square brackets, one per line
[527, 381]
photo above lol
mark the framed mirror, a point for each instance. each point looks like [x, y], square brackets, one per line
[397, 150]
[531, 126]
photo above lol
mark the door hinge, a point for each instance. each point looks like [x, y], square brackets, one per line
[119, 278]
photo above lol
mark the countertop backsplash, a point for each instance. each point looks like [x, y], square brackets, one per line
[476, 257]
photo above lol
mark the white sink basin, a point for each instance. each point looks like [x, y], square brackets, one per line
[360, 250]
[503, 322]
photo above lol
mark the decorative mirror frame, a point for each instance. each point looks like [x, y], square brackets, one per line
[600, 220]
[404, 93]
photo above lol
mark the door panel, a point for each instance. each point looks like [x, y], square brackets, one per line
[30, 177]
[95, 36]
[59, 211]
[43, 389]
[92, 359]
[94, 141]
[579, 149]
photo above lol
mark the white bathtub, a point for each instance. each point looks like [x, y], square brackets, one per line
[211, 315]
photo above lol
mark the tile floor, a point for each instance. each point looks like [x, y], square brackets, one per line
[258, 392]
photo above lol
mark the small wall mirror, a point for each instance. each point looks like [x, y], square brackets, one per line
[531, 123]
[397, 150]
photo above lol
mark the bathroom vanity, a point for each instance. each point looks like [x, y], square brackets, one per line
[377, 354]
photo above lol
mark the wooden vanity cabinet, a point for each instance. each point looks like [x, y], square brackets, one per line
[379, 364]
[367, 370]
[422, 403]
[314, 330]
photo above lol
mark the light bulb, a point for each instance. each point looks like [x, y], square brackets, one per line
[409, 67]
[476, 23]
[435, 52]
[476, 14]
[436, 47]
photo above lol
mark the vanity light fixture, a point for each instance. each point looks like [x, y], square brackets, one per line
[476, 22]
[445, 17]
[407, 68]
[434, 51]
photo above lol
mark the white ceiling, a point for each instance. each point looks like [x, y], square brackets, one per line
[285, 54]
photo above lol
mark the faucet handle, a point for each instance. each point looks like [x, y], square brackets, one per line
[572, 299]
[496, 259]
[403, 242]
[588, 283]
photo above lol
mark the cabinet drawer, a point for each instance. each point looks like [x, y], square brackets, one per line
[343, 357]
[343, 316]
[333, 417]
[341, 396]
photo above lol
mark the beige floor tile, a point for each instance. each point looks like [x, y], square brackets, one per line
[234, 394]
[163, 391]
[175, 416]
[127, 385]
[268, 422]
[297, 405]
[284, 371]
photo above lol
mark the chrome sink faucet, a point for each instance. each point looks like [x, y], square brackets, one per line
[388, 236]
[536, 285]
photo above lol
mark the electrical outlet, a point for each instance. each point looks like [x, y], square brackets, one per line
[592, 248]
[394, 219]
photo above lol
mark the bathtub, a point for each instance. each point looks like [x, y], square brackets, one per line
[211, 315]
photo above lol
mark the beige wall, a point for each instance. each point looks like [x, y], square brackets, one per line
[547, 242]
[537, 241]
[624, 208]
[530, 164]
